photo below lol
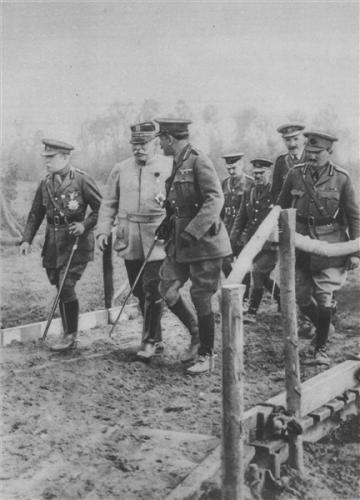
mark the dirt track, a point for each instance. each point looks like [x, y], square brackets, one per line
[106, 426]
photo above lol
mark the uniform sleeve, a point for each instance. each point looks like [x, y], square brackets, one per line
[239, 225]
[110, 203]
[285, 198]
[211, 193]
[278, 177]
[92, 197]
[351, 209]
[35, 217]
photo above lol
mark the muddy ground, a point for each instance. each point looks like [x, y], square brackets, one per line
[98, 424]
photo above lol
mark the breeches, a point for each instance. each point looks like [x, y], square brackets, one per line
[263, 265]
[318, 284]
[148, 285]
[204, 276]
[75, 272]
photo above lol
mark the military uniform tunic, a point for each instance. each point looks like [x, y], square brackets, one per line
[233, 189]
[195, 201]
[337, 221]
[63, 205]
[130, 199]
[255, 206]
[282, 165]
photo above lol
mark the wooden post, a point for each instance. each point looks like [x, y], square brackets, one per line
[233, 393]
[288, 309]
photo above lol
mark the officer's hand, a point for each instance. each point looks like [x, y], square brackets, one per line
[102, 241]
[24, 248]
[76, 228]
[186, 238]
[354, 262]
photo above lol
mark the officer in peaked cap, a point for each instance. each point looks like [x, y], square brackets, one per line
[327, 210]
[233, 188]
[64, 196]
[255, 206]
[53, 147]
[135, 192]
[196, 240]
[294, 142]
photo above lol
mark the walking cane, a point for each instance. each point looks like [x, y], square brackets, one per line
[134, 284]
[54, 306]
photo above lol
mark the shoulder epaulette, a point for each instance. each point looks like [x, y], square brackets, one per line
[80, 171]
[339, 169]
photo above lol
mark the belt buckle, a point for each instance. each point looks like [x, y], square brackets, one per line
[56, 220]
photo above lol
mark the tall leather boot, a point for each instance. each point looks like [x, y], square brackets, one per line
[247, 281]
[254, 303]
[274, 289]
[152, 321]
[188, 318]
[204, 362]
[151, 335]
[322, 334]
[63, 318]
[312, 312]
[71, 315]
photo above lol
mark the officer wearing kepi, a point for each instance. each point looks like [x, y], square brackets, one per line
[294, 141]
[196, 239]
[64, 196]
[255, 206]
[327, 210]
[135, 192]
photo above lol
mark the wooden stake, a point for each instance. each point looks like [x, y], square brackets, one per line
[288, 309]
[233, 393]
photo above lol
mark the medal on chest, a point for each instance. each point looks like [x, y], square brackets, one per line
[73, 204]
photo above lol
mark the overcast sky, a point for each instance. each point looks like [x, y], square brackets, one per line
[64, 62]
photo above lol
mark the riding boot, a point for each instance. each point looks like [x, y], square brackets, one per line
[255, 300]
[311, 311]
[254, 303]
[274, 289]
[186, 316]
[71, 314]
[206, 334]
[247, 281]
[152, 321]
[322, 330]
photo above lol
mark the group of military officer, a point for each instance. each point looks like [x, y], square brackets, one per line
[172, 225]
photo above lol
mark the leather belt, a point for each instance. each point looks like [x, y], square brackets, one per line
[61, 220]
[314, 221]
[146, 218]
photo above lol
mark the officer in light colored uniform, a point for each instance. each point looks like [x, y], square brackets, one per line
[255, 206]
[64, 197]
[134, 196]
[196, 239]
[294, 142]
[324, 197]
